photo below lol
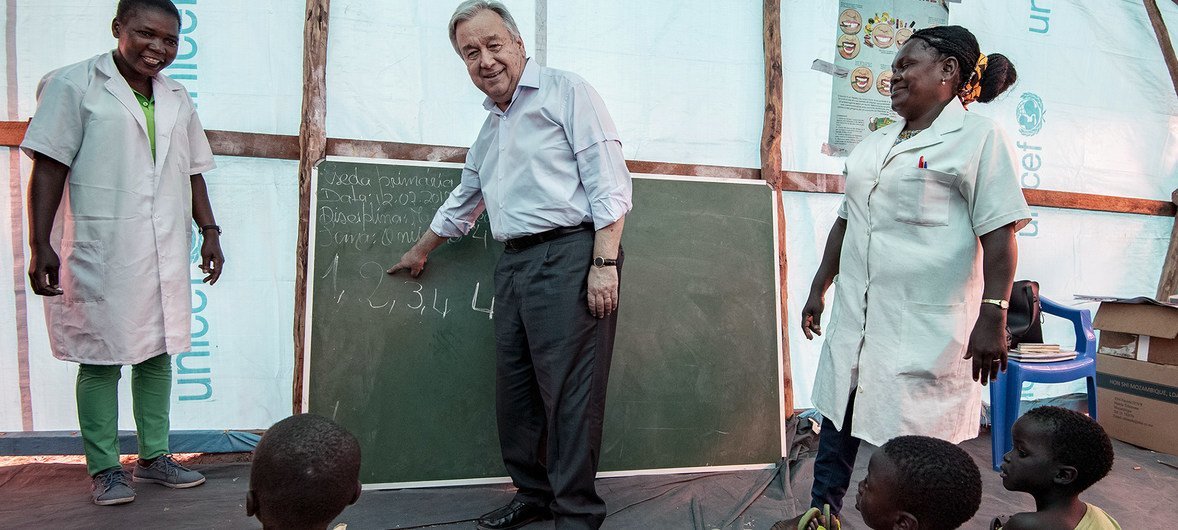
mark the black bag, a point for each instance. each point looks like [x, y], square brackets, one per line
[1022, 317]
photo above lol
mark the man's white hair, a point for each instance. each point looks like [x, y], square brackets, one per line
[468, 9]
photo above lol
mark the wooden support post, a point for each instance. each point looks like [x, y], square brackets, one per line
[1159, 29]
[312, 146]
[771, 127]
[771, 172]
[1168, 285]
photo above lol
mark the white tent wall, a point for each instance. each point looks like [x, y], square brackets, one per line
[1111, 128]
[242, 63]
[393, 76]
[10, 404]
[684, 83]
[10, 418]
[1111, 119]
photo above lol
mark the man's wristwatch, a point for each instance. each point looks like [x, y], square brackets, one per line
[996, 301]
[600, 262]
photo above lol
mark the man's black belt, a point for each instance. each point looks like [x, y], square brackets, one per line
[523, 242]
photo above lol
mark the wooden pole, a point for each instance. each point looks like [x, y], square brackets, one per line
[312, 146]
[1168, 285]
[771, 172]
[1159, 29]
[771, 127]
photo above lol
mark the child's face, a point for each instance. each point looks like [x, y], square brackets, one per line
[1029, 466]
[147, 42]
[875, 500]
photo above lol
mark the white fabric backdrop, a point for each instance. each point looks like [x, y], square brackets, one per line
[684, 84]
[246, 59]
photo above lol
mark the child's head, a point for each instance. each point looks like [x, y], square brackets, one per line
[148, 35]
[306, 470]
[916, 482]
[1056, 449]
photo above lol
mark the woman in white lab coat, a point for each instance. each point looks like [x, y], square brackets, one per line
[923, 255]
[118, 153]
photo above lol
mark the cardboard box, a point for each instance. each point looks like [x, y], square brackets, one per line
[1137, 402]
[1140, 329]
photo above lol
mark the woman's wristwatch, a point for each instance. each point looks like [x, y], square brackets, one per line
[996, 301]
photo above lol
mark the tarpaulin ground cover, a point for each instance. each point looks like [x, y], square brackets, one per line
[1136, 493]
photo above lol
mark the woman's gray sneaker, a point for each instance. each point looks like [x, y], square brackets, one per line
[164, 470]
[112, 487]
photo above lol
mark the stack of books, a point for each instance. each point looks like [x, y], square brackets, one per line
[1034, 352]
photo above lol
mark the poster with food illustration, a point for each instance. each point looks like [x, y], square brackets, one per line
[868, 36]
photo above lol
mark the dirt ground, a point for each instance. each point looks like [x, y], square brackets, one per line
[183, 458]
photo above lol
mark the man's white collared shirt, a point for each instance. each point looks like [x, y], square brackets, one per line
[552, 159]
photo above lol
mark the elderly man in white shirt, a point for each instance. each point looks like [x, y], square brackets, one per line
[547, 167]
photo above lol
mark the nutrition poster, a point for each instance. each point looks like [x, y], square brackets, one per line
[868, 36]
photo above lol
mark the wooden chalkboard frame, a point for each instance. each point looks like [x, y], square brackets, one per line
[780, 364]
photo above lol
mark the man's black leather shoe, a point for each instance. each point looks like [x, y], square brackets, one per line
[514, 515]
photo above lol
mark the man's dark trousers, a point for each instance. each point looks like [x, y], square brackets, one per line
[552, 367]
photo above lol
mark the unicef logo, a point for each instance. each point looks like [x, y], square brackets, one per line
[1030, 114]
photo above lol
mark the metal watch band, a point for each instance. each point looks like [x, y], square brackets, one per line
[996, 301]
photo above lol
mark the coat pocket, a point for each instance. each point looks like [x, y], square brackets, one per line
[932, 340]
[924, 196]
[83, 271]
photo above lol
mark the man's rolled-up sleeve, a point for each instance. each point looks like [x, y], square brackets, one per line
[462, 208]
[598, 149]
[607, 182]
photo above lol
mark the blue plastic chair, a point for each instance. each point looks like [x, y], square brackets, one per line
[1006, 392]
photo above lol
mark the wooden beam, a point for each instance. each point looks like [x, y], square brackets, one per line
[12, 132]
[395, 150]
[691, 170]
[812, 182]
[1159, 29]
[1097, 203]
[312, 149]
[1168, 285]
[284, 147]
[230, 143]
[771, 171]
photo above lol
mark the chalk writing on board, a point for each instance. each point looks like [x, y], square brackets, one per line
[387, 291]
[474, 303]
[394, 208]
[379, 216]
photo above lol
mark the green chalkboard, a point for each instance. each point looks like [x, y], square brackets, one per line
[408, 364]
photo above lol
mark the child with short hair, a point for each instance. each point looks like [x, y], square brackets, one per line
[118, 155]
[306, 470]
[913, 483]
[1057, 454]
[919, 482]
